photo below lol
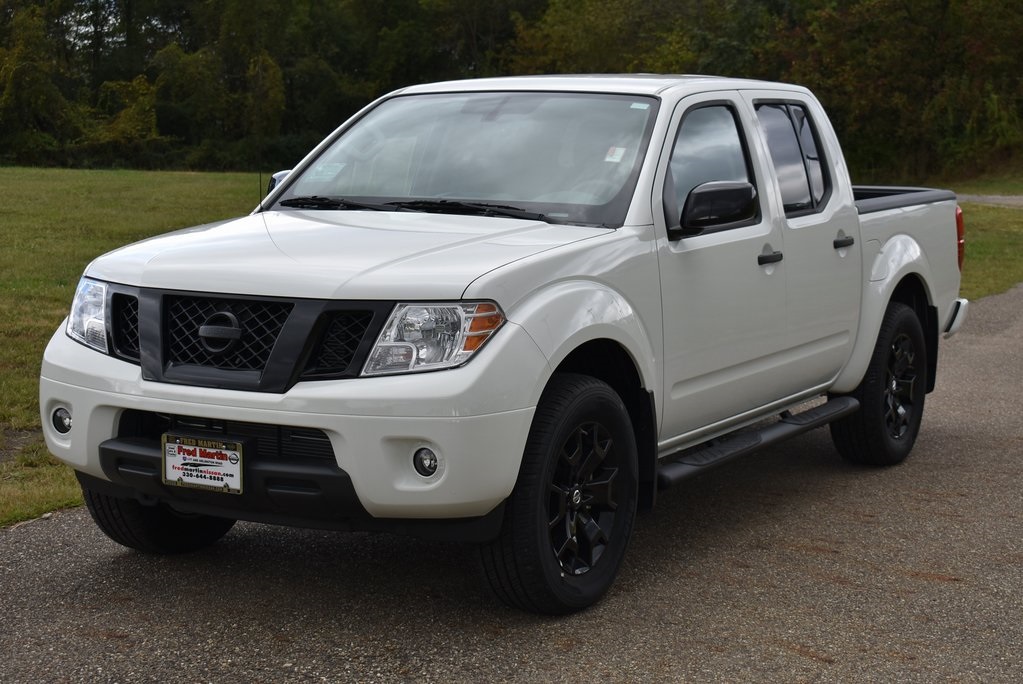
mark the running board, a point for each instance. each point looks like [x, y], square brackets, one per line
[725, 449]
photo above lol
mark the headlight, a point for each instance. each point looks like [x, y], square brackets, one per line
[423, 337]
[87, 322]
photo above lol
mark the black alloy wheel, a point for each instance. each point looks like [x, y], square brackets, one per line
[900, 385]
[582, 506]
[891, 394]
[568, 521]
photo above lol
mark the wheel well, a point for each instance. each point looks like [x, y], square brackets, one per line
[608, 361]
[911, 292]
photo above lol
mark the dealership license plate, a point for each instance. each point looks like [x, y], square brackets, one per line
[202, 463]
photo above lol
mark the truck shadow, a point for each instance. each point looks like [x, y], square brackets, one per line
[356, 581]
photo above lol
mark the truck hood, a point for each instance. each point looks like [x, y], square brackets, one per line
[334, 254]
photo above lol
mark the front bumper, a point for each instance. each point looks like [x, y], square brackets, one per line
[476, 418]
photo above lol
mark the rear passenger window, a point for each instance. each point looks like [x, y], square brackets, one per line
[792, 140]
[814, 163]
[708, 147]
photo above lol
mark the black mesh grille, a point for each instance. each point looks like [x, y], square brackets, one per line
[126, 325]
[260, 324]
[240, 342]
[340, 342]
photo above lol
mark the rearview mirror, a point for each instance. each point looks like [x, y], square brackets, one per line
[716, 205]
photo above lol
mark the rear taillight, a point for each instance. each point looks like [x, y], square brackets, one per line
[960, 236]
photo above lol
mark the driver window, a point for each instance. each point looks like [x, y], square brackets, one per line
[708, 147]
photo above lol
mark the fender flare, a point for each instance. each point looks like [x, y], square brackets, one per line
[901, 257]
[566, 315]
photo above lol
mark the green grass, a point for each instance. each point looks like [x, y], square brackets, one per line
[994, 250]
[53, 222]
[1004, 180]
[994, 235]
[33, 483]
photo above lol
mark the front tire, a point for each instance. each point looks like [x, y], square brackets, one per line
[157, 529]
[568, 521]
[891, 394]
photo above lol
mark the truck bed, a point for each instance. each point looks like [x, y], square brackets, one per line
[871, 198]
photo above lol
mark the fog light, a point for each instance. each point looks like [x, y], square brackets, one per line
[61, 420]
[425, 462]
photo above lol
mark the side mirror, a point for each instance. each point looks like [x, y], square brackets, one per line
[276, 180]
[718, 204]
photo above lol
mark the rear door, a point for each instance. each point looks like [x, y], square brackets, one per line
[823, 256]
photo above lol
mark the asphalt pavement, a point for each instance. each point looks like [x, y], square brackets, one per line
[788, 566]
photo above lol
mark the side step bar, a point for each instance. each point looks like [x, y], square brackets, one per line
[725, 449]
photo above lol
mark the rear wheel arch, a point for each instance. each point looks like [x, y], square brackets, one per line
[912, 292]
[891, 395]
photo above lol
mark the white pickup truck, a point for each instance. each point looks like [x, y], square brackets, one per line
[507, 312]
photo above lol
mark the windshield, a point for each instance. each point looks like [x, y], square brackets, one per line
[565, 157]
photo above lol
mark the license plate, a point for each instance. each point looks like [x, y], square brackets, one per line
[202, 463]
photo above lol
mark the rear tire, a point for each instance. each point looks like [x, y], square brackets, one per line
[568, 521]
[155, 529]
[891, 394]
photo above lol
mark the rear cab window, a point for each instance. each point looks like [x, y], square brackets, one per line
[794, 147]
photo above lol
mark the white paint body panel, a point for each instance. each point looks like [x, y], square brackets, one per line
[333, 255]
[374, 424]
[716, 339]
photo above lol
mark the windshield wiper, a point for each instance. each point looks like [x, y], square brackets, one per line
[426, 205]
[474, 208]
[318, 202]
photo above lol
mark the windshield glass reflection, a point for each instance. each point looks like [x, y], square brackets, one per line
[571, 157]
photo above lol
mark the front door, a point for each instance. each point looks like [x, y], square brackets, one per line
[723, 293]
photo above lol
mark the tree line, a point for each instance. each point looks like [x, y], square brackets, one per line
[915, 87]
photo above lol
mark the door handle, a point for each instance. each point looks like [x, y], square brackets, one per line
[772, 258]
[847, 241]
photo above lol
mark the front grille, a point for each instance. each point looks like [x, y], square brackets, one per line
[238, 342]
[260, 324]
[267, 443]
[125, 325]
[340, 342]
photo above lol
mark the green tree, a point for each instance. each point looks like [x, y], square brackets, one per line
[474, 34]
[724, 38]
[914, 88]
[35, 117]
[191, 98]
[976, 111]
[133, 110]
[582, 36]
[667, 36]
[265, 96]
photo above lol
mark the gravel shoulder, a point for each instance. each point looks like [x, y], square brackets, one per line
[1014, 201]
[786, 566]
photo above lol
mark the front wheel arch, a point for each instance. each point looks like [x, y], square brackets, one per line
[608, 361]
[569, 519]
